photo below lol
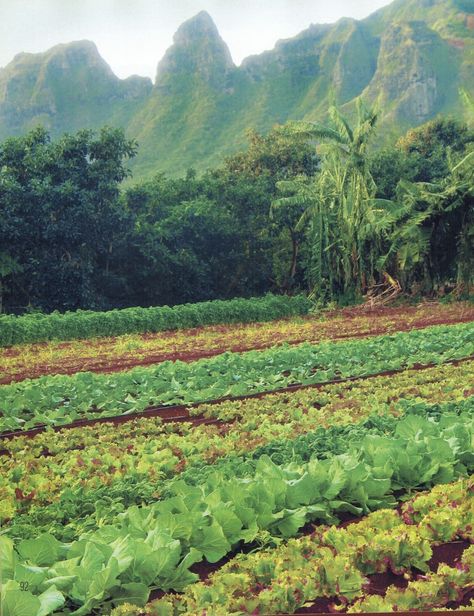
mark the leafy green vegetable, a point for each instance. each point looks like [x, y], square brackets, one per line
[82, 509]
[59, 399]
[155, 545]
[88, 323]
[333, 562]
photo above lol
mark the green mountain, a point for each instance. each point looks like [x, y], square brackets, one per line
[410, 58]
[66, 88]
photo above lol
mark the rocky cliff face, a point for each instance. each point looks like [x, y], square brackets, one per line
[198, 52]
[416, 71]
[410, 57]
[349, 77]
[68, 87]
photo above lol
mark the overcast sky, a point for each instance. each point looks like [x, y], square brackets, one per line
[132, 35]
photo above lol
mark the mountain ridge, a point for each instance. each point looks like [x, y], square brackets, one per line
[410, 57]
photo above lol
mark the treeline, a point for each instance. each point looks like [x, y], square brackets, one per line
[303, 208]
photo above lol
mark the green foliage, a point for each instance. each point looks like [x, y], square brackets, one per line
[60, 213]
[388, 166]
[348, 219]
[8, 266]
[339, 206]
[88, 324]
[427, 149]
[195, 239]
[274, 155]
[157, 544]
[432, 226]
[61, 399]
[269, 159]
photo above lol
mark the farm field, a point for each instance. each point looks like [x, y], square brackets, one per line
[110, 354]
[333, 472]
[63, 399]
[237, 308]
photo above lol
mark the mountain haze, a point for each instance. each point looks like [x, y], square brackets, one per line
[410, 57]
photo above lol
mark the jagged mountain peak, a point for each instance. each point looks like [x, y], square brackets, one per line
[197, 50]
[68, 86]
[411, 56]
[198, 26]
[66, 67]
[81, 46]
[83, 52]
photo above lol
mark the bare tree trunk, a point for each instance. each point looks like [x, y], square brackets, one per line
[294, 257]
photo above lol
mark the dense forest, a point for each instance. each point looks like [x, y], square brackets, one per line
[306, 207]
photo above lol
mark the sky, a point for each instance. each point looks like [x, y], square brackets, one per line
[133, 35]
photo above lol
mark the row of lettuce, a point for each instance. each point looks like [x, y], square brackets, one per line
[88, 324]
[330, 563]
[61, 399]
[255, 503]
[334, 564]
[83, 507]
[57, 467]
[119, 352]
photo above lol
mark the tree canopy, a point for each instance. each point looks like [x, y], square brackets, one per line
[307, 207]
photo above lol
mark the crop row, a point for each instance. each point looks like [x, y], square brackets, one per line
[59, 400]
[435, 590]
[112, 354]
[333, 563]
[89, 324]
[36, 472]
[336, 403]
[155, 546]
[30, 484]
[118, 565]
[335, 440]
[331, 403]
[84, 507]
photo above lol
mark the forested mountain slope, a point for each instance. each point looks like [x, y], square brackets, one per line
[411, 57]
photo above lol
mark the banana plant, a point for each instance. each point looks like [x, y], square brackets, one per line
[340, 212]
[432, 229]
